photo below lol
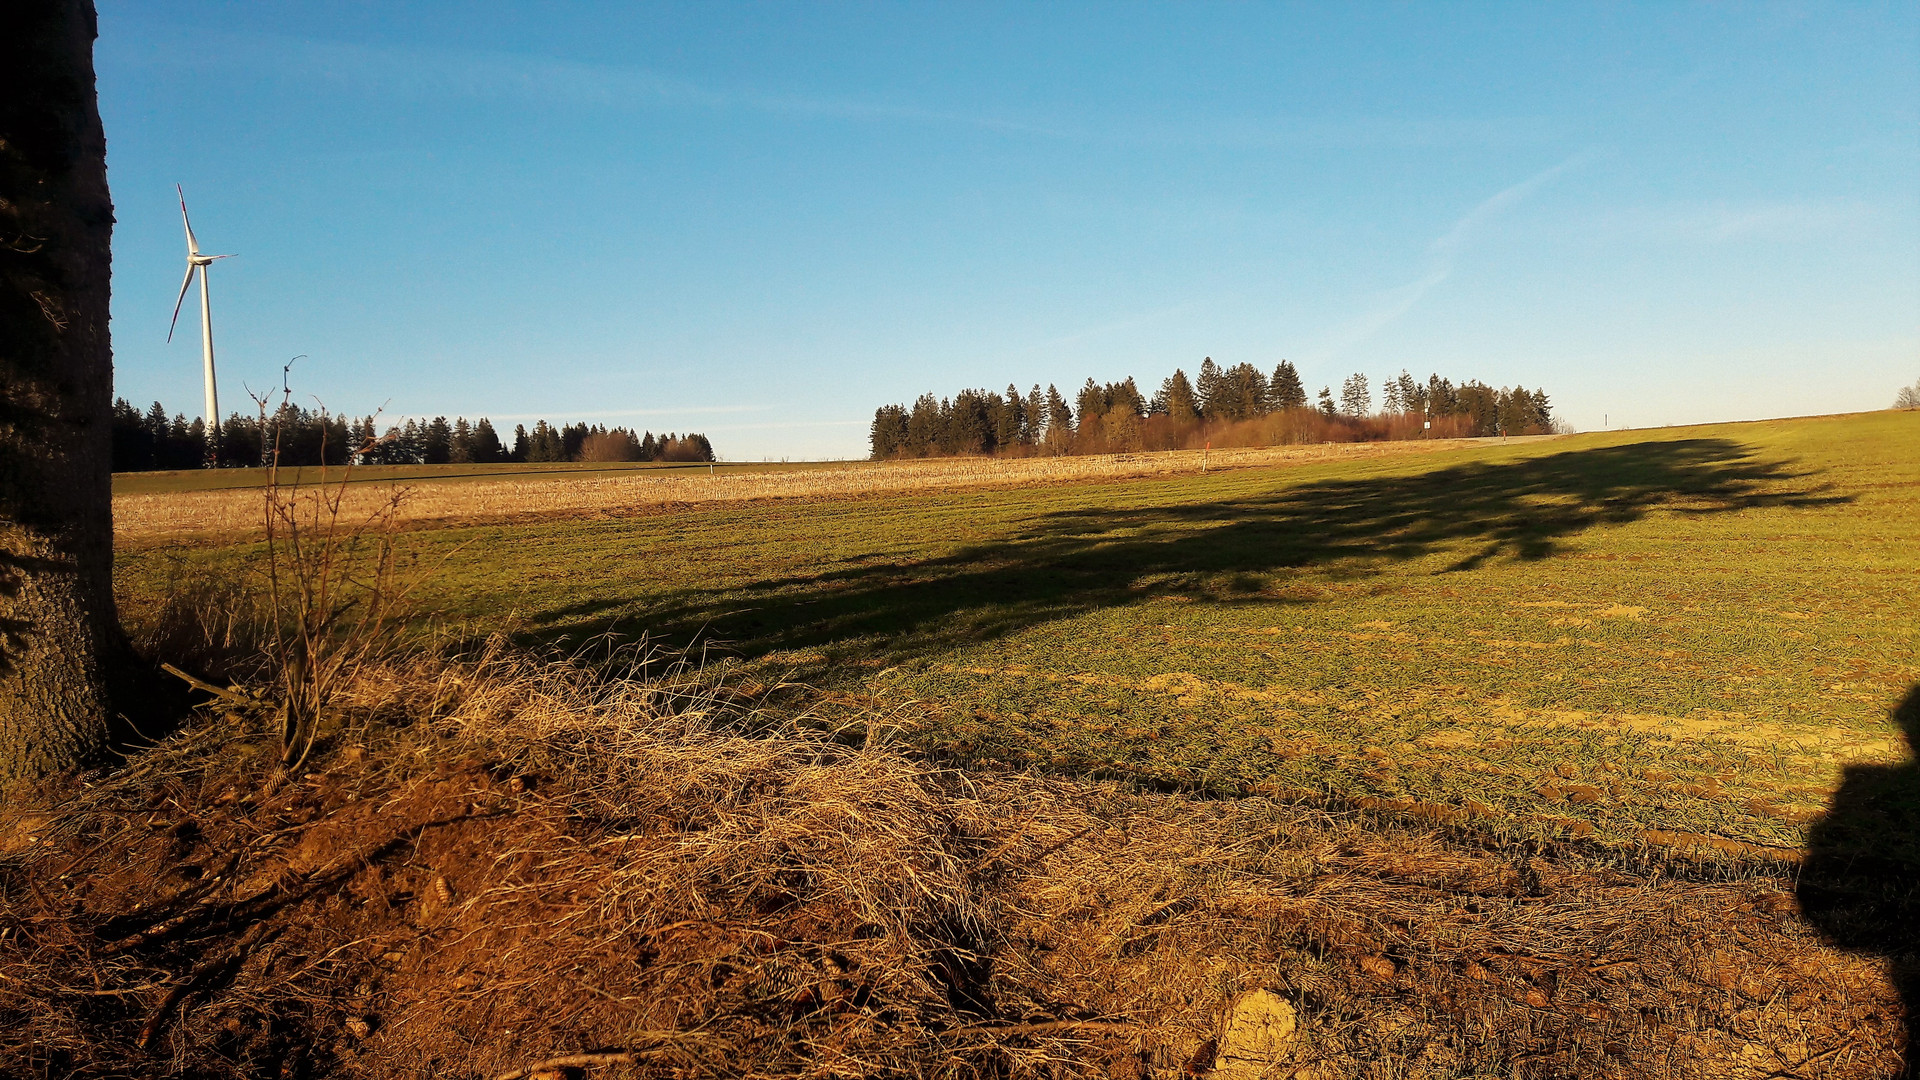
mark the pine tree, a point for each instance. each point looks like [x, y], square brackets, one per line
[883, 441]
[1411, 399]
[460, 446]
[1207, 390]
[1175, 400]
[1008, 418]
[1243, 392]
[486, 447]
[1059, 421]
[924, 426]
[1285, 390]
[436, 442]
[1355, 398]
[1326, 402]
[1033, 422]
[1090, 403]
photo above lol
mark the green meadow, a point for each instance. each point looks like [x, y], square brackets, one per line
[1675, 637]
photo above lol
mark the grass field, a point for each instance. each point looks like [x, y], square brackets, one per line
[226, 504]
[1671, 637]
[1569, 757]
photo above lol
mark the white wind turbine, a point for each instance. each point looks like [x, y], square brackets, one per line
[197, 261]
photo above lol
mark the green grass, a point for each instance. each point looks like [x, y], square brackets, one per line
[1684, 630]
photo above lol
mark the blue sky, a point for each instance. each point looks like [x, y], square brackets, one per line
[763, 221]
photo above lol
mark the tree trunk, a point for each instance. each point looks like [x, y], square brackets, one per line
[58, 629]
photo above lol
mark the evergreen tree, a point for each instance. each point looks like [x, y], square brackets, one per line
[436, 442]
[1059, 434]
[1208, 391]
[485, 446]
[1008, 418]
[1242, 393]
[1090, 404]
[888, 435]
[522, 444]
[1326, 402]
[1355, 398]
[1033, 421]
[969, 427]
[1125, 398]
[460, 445]
[132, 439]
[1285, 390]
[1412, 400]
[1175, 399]
[924, 426]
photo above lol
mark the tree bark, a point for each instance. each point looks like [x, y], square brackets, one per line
[58, 629]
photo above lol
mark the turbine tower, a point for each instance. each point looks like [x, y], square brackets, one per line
[197, 261]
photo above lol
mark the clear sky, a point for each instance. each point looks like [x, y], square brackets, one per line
[762, 221]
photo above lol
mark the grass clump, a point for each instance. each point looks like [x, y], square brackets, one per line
[497, 862]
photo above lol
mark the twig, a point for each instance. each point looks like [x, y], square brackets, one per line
[202, 684]
[186, 987]
[585, 1060]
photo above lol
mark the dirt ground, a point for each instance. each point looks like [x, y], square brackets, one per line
[497, 868]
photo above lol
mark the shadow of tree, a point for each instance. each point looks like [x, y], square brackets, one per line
[1860, 883]
[1245, 549]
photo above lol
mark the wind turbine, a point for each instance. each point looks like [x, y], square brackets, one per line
[197, 261]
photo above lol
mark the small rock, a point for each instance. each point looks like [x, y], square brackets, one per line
[1260, 1029]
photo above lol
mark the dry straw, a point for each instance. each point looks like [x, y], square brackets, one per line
[500, 867]
[147, 517]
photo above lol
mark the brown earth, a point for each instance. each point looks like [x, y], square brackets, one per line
[498, 868]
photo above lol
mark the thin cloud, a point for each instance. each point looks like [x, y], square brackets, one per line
[1392, 305]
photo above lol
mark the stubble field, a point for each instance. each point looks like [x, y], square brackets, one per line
[1671, 637]
[1679, 654]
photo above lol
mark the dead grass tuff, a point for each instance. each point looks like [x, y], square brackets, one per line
[500, 862]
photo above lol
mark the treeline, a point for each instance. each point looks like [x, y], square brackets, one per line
[151, 440]
[1223, 406]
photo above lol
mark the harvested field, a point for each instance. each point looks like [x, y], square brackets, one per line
[149, 515]
[1584, 756]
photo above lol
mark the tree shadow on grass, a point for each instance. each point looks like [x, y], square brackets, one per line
[1236, 550]
[1860, 883]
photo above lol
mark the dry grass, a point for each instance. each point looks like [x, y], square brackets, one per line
[497, 861]
[142, 518]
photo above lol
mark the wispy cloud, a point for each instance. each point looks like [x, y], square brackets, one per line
[1388, 307]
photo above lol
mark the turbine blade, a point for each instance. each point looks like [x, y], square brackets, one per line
[193, 248]
[183, 299]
